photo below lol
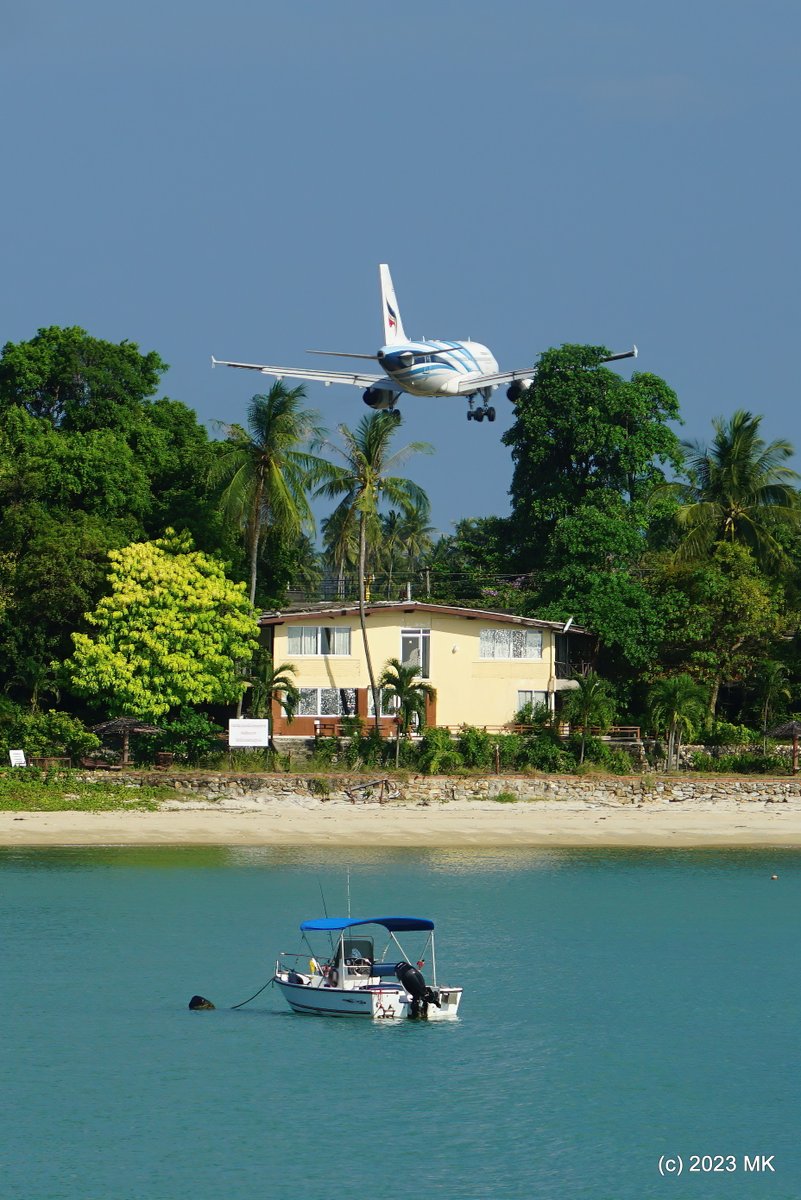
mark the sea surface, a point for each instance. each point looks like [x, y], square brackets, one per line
[620, 1009]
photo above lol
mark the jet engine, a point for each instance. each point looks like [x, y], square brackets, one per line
[516, 389]
[378, 398]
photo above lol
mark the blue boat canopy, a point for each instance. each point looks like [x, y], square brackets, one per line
[393, 924]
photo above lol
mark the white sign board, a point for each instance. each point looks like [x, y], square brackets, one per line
[17, 758]
[248, 732]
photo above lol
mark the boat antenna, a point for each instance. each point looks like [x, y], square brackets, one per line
[348, 893]
[325, 914]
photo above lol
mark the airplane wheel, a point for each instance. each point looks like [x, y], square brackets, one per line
[469, 415]
[397, 416]
[478, 416]
[490, 414]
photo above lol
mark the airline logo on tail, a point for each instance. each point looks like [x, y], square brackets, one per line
[392, 319]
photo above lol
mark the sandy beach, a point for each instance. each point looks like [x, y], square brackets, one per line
[316, 823]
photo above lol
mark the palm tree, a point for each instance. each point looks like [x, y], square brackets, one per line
[409, 693]
[589, 705]
[266, 470]
[773, 685]
[391, 543]
[677, 704]
[739, 488]
[363, 480]
[416, 535]
[341, 543]
[269, 682]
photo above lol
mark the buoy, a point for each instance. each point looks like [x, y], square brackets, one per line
[199, 1002]
[774, 876]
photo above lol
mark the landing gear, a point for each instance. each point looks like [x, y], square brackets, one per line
[396, 415]
[478, 414]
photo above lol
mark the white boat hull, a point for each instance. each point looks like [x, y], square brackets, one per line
[318, 998]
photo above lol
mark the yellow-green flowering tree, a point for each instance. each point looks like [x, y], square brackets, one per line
[172, 631]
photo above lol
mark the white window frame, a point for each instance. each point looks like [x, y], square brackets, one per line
[318, 703]
[424, 637]
[501, 641]
[390, 704]
[322, 634]
[531, 693]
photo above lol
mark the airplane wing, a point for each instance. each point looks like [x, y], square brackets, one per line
[357, 379]
[471, 383]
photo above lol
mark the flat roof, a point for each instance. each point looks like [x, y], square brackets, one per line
[410, 607]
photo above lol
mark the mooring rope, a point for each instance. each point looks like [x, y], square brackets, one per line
[253, 997]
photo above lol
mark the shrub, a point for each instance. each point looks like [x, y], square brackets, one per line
[476, 747]
[748, 763]
[511, 751]
[538, 715]
[368, 749]
[438, 753]
[611, 758]
[722, 733]
[544, 752]
[506, 798]
[190, 736]
[326, 750]
[44, 733]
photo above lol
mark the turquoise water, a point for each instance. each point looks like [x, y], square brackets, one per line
[618, 1007]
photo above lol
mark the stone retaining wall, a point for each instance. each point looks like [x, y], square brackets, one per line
[253, 789]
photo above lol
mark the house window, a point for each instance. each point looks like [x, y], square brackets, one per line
[389, 703]
[532, 698]
[318, 639]
[327, 702]
[511, 643]
[415, 650]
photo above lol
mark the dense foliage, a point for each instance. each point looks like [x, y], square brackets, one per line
[682, 559]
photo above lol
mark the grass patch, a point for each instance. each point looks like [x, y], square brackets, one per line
[505, 798]
[26, 789]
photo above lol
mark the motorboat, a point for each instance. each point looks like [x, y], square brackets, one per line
[355, 981]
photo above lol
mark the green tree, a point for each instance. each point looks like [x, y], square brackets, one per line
[477, 556]
[582, 431]
[391, 546]
[340, 532]
[78, 382]
[408, 695]
[170, 633]
[676, 705]
[363, 479]
[269, 682]
[740, 488]
[773, 683]
[267, 469]
[590, 705]
[589, 448]
[725, 615]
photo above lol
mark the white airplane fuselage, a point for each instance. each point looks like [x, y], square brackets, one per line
[438, 368]
[417, 368]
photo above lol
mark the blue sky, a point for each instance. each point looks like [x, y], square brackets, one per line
[223, 179]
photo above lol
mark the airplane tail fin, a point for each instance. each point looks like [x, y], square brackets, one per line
[393, 326]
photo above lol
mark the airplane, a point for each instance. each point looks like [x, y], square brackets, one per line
[436, 369]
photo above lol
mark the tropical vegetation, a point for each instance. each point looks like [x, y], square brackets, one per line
[136, 550]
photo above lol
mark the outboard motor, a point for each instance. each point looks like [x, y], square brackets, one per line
[422, 995]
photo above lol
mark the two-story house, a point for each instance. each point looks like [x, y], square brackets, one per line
[484, 665]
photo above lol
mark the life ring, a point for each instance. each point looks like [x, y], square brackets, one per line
[333, 977]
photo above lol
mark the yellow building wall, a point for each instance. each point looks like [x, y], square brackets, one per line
[470, 690]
